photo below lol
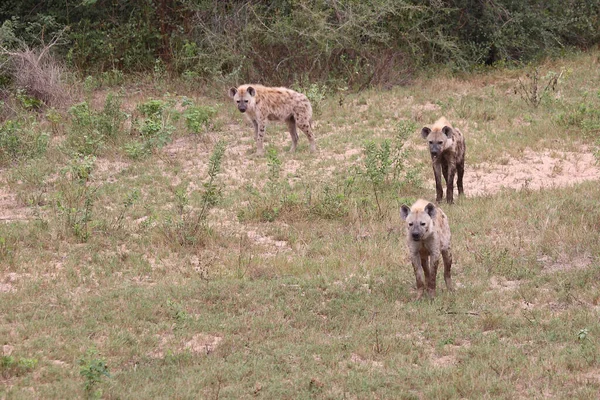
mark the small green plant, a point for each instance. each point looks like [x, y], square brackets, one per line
[534, 87]
[12, 366]
[384, 164]
[91, 130]
[198, 118]
[188, 225]
[129, 201]
[155, 128]
[28, 102]
[93, 370]
[19, 142]
[178, 312]
[76, 197]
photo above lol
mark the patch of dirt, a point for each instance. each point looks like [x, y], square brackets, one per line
[502, 284]
[10, 210]
[357, 359]
[444, 361]
[277, 245]
[200, 344]
[106, 169]
[564, 264]
[203, 343]
[159, 352]
[535, 170]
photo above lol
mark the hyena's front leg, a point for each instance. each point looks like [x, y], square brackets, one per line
[433, 267]
[260, 149]
[447, 256]
[437, 172]
[291, 122]
[255, 130]
[419, 275]
[450, 183]
[460, 171]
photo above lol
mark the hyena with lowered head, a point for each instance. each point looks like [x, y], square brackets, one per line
[262, 104]
[428, 237]
[447, 149]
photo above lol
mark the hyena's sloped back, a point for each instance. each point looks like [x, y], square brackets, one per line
[428, 238]
[262, 104]
[447, 149]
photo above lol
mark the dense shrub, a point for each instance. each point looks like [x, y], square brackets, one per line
[285, 41]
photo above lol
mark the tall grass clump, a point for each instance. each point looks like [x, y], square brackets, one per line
[20, 141]
[91, 131]
[35, 72]
[385, 171]
[154, 127]
[187, 225]
[75, 198]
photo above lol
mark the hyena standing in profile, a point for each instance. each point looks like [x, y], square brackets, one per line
[428, 237]
[447, 148]
[262, 104]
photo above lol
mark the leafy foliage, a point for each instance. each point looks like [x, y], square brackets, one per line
[355, 42]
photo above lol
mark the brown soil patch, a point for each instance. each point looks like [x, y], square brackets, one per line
[10, 210]
[203, 344]
[535, 170]
[564, 264]
[501, 284]
[444, 361]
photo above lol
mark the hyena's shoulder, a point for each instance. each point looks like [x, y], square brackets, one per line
[459, 144]
[442, 227]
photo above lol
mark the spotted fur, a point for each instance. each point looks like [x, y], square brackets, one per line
[428, 237]
[447, 149]
[262, 104]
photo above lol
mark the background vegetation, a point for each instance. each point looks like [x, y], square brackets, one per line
[350, 43]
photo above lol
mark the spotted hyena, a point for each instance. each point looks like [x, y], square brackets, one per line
[428, 237]
[447, 148]
[262, 104]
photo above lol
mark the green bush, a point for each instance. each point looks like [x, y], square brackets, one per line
[198, 118]
[20, 141]
[355, 43]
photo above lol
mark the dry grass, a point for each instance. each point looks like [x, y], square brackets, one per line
[38, 74]
[319, 302]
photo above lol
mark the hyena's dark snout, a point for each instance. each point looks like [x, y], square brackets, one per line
[242, 109]
[415, 236]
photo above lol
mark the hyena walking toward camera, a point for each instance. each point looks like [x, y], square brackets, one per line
[262, 104]
[428, 237]
[447, 149]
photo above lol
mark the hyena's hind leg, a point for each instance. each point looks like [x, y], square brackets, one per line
[305, 126]
[291, 122]
[447, 257]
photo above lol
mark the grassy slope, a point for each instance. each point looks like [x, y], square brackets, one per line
[313, 308]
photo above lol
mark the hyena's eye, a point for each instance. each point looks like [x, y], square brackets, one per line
[422, 223]
[439, 142]
[431, 142]
[237, 101]
[410, 224]
[245, 101]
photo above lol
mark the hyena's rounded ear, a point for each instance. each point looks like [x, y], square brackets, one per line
[447, 131]
[425, 132]
[404, 211]
[430, 209]
[232, 92]
[251, 91]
